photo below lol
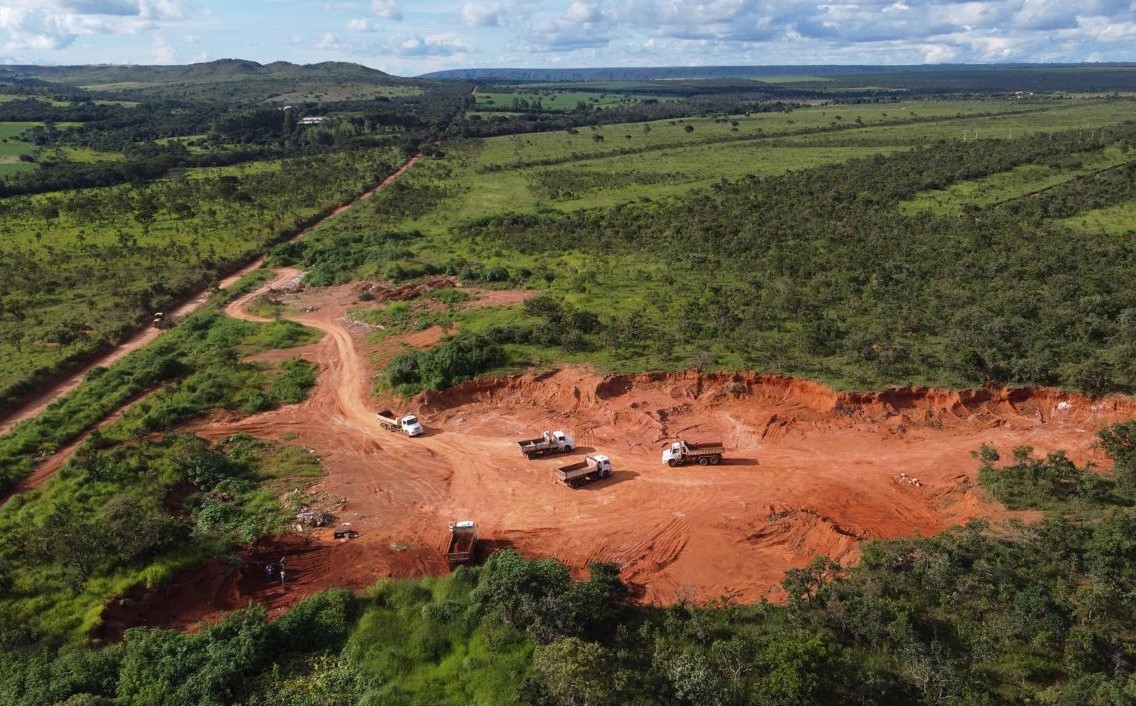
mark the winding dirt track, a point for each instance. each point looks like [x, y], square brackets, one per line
[40, 401]
[809, 471]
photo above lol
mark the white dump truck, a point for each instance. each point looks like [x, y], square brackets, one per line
[408, 423]
[703, 453]
[591, 468]
[463, 537]
[552, 442]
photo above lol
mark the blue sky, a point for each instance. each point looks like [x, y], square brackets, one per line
[409, 37]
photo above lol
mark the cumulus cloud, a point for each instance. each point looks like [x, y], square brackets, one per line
[54, 24]
[477, 14]
[580, 12]
[362, 25]
[433, 45]
[583, 25]
[937, 30]
[387, 9]
[329, 41]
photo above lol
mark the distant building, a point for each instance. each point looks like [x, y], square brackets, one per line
[313, 120]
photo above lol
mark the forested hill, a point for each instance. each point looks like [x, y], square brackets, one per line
[209, 72]
[225, 81]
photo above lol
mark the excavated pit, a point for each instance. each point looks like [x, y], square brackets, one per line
[807, 471]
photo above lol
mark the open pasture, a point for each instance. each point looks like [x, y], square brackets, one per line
[1015, 183]
[12, 148]
[1114, 220]
[911, 119]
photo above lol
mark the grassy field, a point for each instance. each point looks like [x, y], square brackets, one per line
[907, 122]
[1018, 182]
[791, 78]
[1115, 220]
[663, 159]
[12, 147]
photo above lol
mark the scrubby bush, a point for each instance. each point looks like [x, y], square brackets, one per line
[455, 359]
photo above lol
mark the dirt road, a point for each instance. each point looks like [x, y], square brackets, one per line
[809, 471]
[38, 402]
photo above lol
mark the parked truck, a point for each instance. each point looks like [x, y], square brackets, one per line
[463, 537]
[681, 452]
[408, 424]
[552, 442]
[591, 468]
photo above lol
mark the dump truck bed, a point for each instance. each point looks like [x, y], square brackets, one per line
[460, 544]
[463, 538]
[574, 469]
[705, 446]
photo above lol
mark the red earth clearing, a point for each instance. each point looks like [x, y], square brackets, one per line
[808, 471]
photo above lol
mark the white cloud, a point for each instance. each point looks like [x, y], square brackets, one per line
[330, 42]
[580, 12]
[477, 14]
[362, 25]
[1046, 15]
[54, 24]
[433, 45]
[387, 9]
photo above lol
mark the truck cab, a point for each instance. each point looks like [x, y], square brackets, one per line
[411, 425]
[675, 453]
[559, 439]
[602, 465]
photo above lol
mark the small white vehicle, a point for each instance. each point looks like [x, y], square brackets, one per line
[551, 442]
[408, 424]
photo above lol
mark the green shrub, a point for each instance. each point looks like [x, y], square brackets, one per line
[456, 359]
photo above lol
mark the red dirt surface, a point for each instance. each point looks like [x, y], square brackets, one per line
[808, 470]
